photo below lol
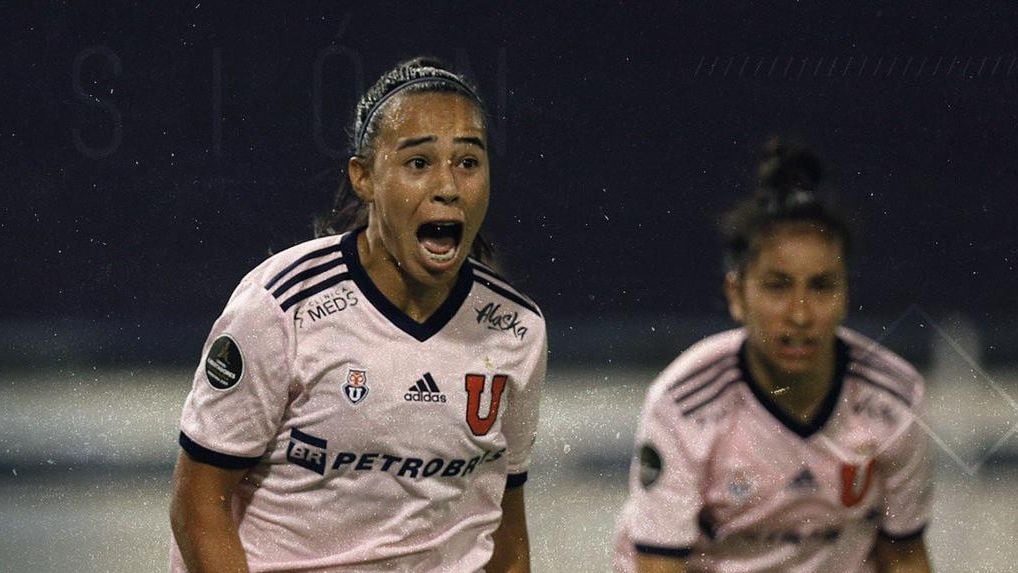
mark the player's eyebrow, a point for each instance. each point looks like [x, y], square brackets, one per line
[470, 141]
[827, 276]
[412, 141]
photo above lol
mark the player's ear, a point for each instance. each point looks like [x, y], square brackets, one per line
[360, 178]
[733, 292]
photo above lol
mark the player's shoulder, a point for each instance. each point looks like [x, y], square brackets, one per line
[700, 374]
[295, 273]
[874, 365]
[501, 289]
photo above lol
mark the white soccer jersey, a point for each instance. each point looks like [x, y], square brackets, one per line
[375, 443]
[726, 480]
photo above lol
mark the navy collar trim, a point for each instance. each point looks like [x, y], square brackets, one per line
[827, 407]
[421, 331]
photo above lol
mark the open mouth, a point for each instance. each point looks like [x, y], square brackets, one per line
[440, 240]
[797, 345]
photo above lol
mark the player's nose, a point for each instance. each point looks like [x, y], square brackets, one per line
[446, 188]
[800, 311]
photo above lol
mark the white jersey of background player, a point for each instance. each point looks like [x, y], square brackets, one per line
[730, 482]
[791, 444]
[375, 432]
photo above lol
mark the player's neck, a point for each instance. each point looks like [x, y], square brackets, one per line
[417, 301]
[801, 395]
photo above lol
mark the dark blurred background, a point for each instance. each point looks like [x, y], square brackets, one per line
[153, 154]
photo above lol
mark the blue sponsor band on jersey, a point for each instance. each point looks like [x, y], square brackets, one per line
[311, 452]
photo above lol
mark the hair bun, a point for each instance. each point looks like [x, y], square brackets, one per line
[788, 172]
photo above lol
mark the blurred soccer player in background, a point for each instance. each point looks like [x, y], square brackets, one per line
[791, 443]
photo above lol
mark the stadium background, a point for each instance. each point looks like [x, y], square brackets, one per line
[152, 155]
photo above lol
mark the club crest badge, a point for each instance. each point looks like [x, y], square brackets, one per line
[356, 387]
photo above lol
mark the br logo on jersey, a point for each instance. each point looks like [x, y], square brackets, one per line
[224, 365]
[307, 451]
[475, 385]
[855, 483]
[356, 387]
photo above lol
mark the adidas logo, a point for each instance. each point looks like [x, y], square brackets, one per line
[803, 480]
[424, 390]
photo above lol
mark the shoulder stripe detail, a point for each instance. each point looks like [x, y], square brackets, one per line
[493, 276]
[312, 255]
[889, 369]
[206, 456]
[515, 480]
[724, 388]
[719, 364]
[479, 266]
[663, 551]
[306, 274]
[313, 290]
[509, 294]
[719, 377]
[883, 387]
[883, 378]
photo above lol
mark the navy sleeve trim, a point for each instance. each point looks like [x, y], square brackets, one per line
[515, 480]
[204, 455]
[663, 551]
[910, 536]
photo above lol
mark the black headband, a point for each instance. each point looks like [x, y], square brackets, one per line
[452, 81]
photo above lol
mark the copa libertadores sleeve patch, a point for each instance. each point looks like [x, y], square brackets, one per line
[224, 365]
[650, 465]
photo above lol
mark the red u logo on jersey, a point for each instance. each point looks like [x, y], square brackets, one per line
[853, 485]
[481, 425]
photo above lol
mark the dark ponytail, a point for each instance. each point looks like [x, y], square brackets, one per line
[417, 75]
[788, 177]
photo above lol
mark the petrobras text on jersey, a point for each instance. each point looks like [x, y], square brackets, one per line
[312, 453]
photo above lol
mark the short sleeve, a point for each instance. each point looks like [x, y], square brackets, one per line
[241, 385]
[520, 425]
[665, 484]
[907, 468]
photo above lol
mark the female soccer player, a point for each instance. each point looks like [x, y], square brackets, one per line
[367, 401]
[792, 443]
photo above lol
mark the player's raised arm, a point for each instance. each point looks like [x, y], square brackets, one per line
[201, 519]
